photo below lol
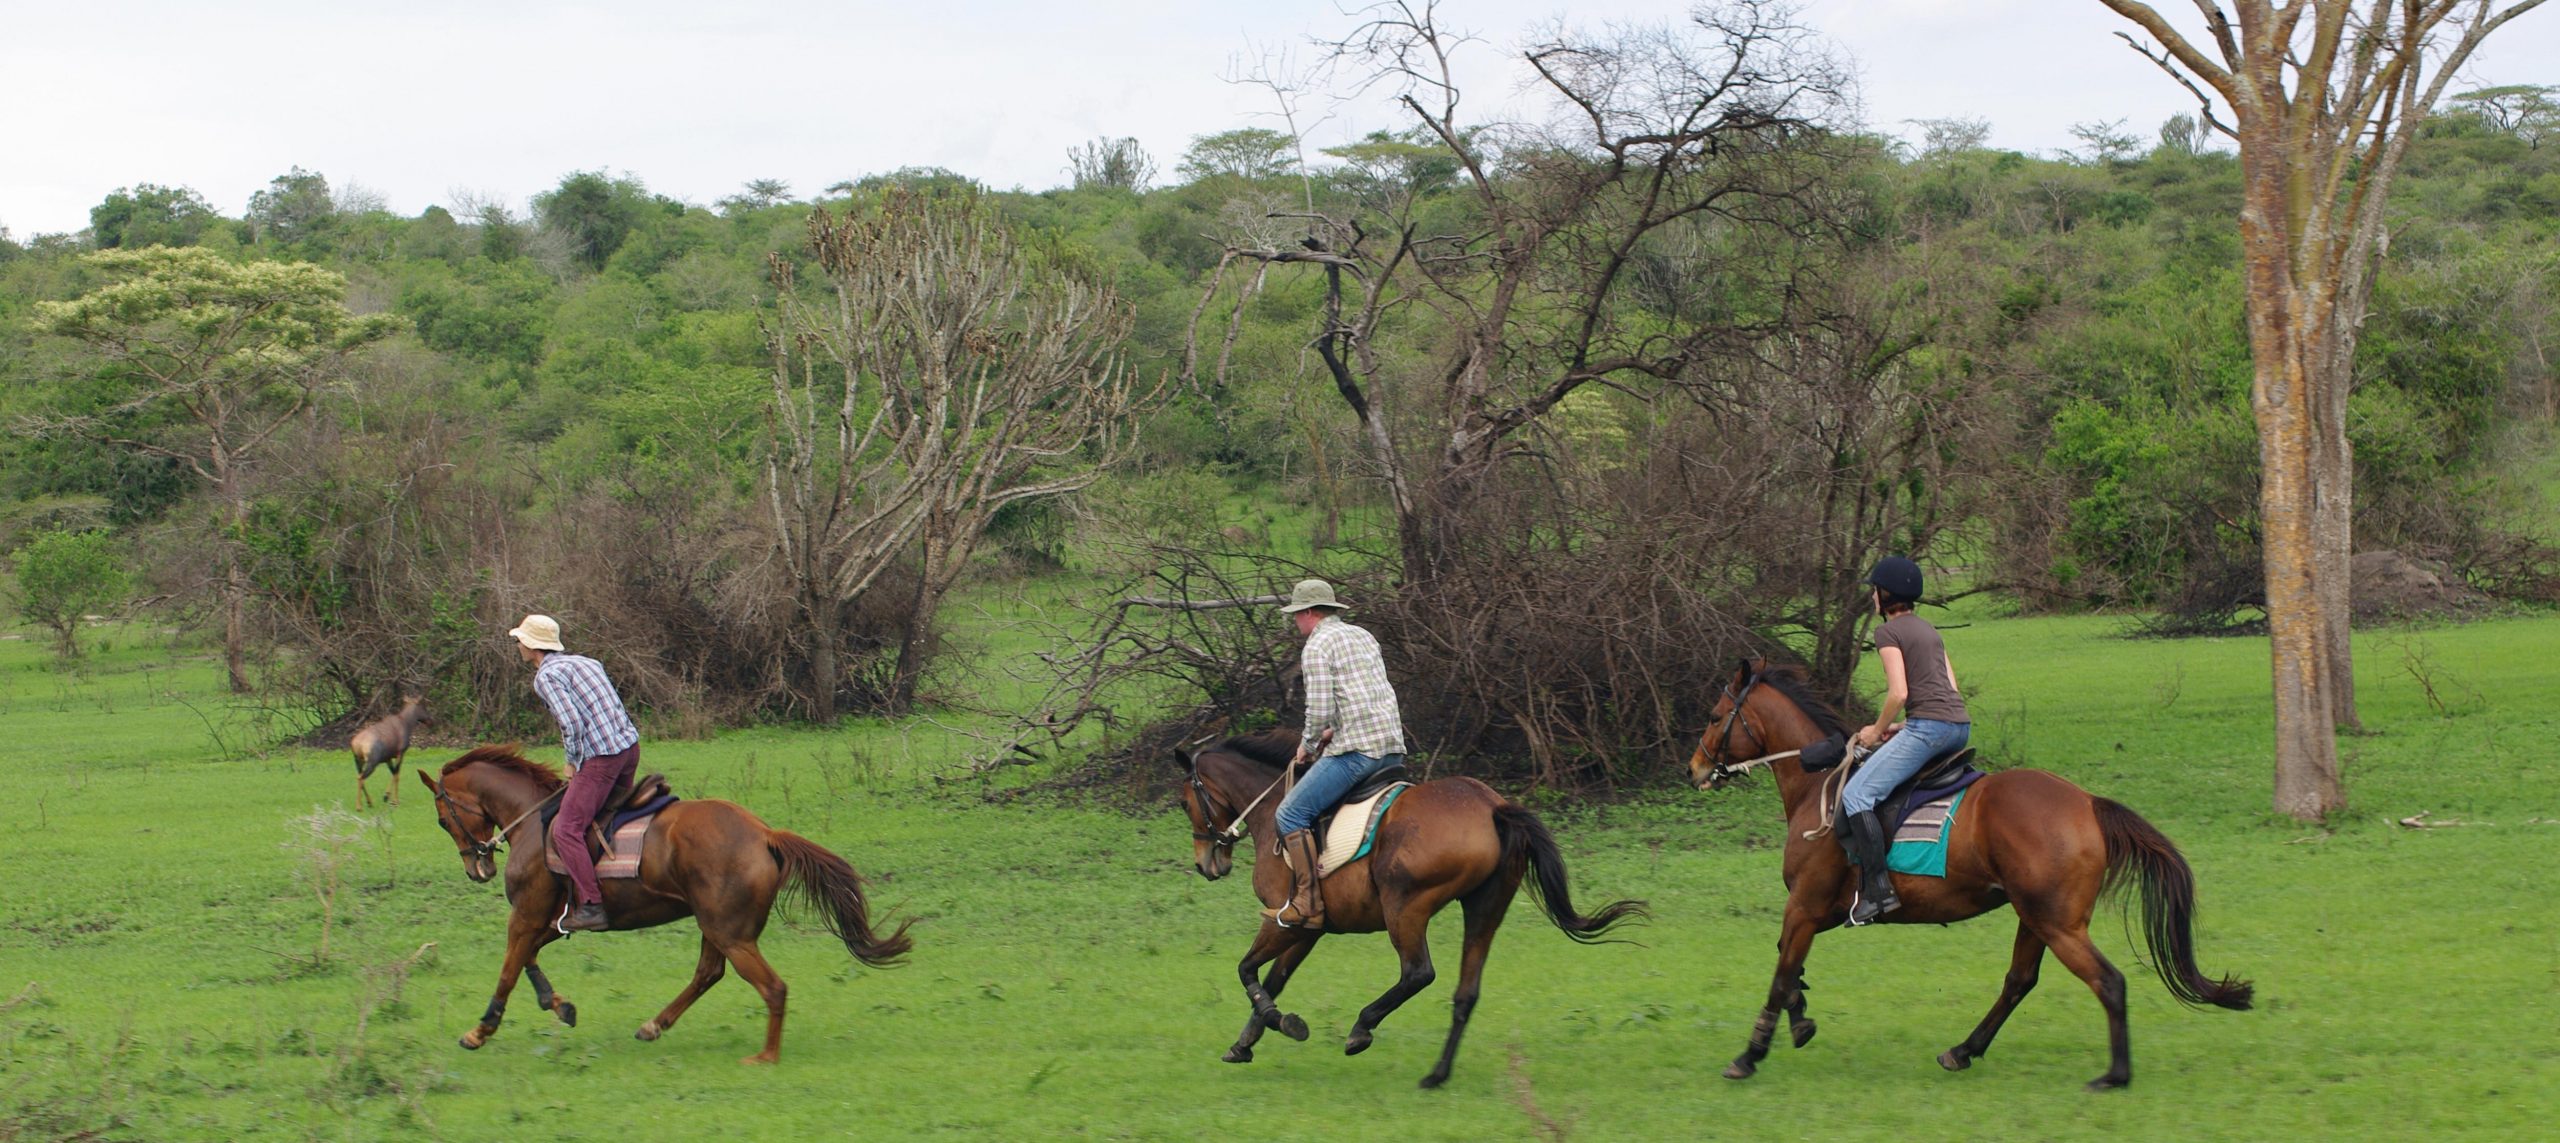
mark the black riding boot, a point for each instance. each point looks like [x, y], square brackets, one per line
[1863, 836]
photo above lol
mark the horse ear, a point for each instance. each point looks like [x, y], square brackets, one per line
[428, 782]
[1741, 672]
[1184, 759]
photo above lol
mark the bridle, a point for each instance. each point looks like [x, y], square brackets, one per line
[497, 833]
[1721, 771]
[1210, 804]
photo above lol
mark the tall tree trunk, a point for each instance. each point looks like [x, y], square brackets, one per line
[919, 626]
[2299, 631]
[2333, 534]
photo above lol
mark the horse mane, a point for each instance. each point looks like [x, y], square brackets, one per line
[507, 758]
[1789, 680]
[1273, 747]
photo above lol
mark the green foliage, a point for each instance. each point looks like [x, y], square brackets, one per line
[150, 215]
[594, 213]
[1248, 153]
[65, 576]
[295, 208]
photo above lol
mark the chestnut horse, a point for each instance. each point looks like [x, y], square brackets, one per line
[1453, 839]
[2023, 838]
[707, 859]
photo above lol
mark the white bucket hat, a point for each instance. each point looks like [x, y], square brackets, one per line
[540, 632]
[1311, 593]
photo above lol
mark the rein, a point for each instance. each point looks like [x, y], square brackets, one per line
[1236, 827]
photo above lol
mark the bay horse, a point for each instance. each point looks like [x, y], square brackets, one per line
[708, 859]
[2023, 838]
[1451, 839]
[385, 741]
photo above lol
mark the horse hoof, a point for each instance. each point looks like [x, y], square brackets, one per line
[1802, 1032]
[1954, 1060]
[567, 1012]
[1739, 1070]
[1238, 1055]
[1434, 1080]
[471, 1041]
[2107, 1083]
[760, 1059]
[648, 1031]
[1358, 1043]
[1292, 1027]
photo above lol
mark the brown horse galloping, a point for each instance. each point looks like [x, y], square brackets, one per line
[2024, 838]
[711, 860]
[1453, 839]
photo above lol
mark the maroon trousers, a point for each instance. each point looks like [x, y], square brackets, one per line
[588, 788]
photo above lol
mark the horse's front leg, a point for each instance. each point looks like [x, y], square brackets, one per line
[1786, 987]
[526, 934]
[542, 995]
[1286, 947]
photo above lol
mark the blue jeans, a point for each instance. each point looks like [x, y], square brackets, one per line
[1326, 782]
[1901, 756]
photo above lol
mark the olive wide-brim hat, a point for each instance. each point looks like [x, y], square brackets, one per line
[1310, 593]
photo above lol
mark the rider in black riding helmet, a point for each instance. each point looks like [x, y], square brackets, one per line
[1920, 682]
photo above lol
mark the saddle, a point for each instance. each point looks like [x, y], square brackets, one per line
[630, 801]
[1938, 778]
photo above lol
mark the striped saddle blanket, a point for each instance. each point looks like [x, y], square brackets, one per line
[622, 846]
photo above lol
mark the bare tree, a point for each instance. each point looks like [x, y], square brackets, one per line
[1118, 164]
[2323, 97]
[1655, 132]
[962, 379]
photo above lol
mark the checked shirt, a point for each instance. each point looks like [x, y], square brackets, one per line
[1347, 689]
[592, 721]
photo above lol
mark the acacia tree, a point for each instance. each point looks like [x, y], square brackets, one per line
[202, 361]
[2323, 97]
[964, 377]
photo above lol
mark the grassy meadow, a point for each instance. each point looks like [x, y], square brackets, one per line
[167, 879]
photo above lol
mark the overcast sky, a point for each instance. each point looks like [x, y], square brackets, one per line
[502, 97]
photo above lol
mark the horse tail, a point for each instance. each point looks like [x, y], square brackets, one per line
[1527, 847]
[834, 891]
[2139, 852]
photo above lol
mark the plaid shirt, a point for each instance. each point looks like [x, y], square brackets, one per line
[592, 721]
[1347, 689]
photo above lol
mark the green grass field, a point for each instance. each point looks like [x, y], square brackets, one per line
[158, 922]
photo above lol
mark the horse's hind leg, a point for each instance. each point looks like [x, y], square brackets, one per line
[1282, 949]
[1484, 910]
[706, 972]
[2074, 949]
[2026, 957]
[1409, 927]
[750, 964]
[1786, 989]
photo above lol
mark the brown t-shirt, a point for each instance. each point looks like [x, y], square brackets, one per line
[1924, 668]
